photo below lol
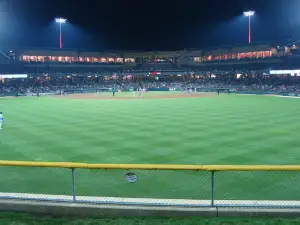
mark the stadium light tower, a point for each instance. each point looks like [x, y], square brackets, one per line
[60, 21]
[249, 14]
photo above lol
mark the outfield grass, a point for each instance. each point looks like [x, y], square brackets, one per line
[24, 219]
[226, 129]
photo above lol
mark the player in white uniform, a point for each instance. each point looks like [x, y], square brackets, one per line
[1, 120]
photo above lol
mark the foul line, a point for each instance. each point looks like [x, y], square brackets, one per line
[289, 97]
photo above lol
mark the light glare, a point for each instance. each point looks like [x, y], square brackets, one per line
[249, 13]
[60, 20]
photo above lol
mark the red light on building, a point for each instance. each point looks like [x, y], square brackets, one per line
[154, 73]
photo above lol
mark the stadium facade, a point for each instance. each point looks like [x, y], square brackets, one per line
[265, 68]
[254, 58]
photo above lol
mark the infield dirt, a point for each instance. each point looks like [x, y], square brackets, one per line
[159, 96]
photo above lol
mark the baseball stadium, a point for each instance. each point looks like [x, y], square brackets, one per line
[213, 128]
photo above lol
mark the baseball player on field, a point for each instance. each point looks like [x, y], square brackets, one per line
[1, 120]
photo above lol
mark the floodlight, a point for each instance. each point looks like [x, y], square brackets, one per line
[60, 20]
[249, 13]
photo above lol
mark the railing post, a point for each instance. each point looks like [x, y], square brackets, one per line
[73, 185]
[212, 188]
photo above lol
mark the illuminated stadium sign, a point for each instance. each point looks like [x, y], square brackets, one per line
[278, 72]
[4, 76]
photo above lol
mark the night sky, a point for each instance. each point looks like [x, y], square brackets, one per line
[145, 25]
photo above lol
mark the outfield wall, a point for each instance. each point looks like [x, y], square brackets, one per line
[152, 185]
[95, 90]
[132, 189]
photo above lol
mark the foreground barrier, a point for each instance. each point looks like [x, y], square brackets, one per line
[152, 185]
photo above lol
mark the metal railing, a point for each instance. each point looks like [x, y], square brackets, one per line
[152, 185]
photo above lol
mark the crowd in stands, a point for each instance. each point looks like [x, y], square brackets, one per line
[276, 84]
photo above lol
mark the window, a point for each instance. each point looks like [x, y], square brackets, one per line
[129, 60]
[216, 57]
[68, 59]
[103, 60]
[208, 58]
[61, 59]
[197, 59]
[33, 58]
[226, 56]
[119, 60]
[235, 56]
[249, 55]
[74, 59]
[47, 58]
[267, 53]
[242, 55]
[111, 60]
[40, 58]
[25, 58]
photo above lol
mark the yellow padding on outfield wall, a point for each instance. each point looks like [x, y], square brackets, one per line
[153, 166]
[251, 167]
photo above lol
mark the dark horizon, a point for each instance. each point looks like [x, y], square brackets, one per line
[137, 25]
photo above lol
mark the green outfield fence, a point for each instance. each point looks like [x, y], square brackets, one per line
[152, 185]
